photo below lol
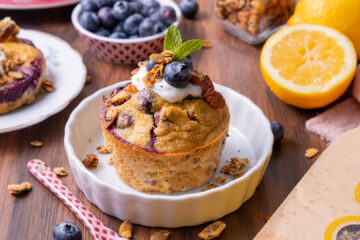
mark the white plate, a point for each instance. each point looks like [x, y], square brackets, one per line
[249, 136]
[34, 4]
[64, 67]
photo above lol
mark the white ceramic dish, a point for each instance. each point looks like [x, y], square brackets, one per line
[64, 67]
[249, 136]
[123, 51]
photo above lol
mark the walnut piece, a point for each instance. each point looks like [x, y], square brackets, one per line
[60, 171]
[125, 229]
[19, 188]
[91, 161]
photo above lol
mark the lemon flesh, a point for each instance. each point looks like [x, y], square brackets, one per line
[308, 66]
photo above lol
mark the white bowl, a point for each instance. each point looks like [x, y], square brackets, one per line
[249, 136]
[123, 51]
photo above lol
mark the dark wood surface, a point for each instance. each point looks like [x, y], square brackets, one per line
[230, 62]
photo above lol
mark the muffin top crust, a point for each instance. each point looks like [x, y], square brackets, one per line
[167, 108]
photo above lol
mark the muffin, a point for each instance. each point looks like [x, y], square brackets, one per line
[22, 68]
[166, 129]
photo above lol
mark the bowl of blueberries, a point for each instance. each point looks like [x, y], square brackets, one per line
[124, 31]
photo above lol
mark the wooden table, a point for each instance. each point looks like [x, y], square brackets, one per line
[230, 62]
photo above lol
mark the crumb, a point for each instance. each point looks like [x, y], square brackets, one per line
[48, 86]
[111, 160]
[91, 161]
[36, 144]
[220, 180]
[267, 218]
[311, 152]
[16, 189]
[102, 149]
[236, 167]
[211, 186]
[88, 79]
[60, 171]
[212, 231]
[206, 43]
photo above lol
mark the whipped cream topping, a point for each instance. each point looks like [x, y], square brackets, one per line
[165, 90]
[2, 57]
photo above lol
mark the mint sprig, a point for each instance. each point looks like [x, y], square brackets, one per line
[173, 42]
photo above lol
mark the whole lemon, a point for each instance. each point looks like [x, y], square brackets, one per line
[343, 15]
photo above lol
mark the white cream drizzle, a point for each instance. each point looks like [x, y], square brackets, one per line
[165, 90]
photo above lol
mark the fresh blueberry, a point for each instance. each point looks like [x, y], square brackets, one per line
[103, 32]
[146, 27]
[189, 8]
[278, 131]
[106, 17]
[150, 7]
[118, 35]
[155, 16]
[167, 15]
[158, 27]
[134, 36]
[177, 74]
[89, 21]
[131, 24]
[66, 231]
[121, 10]
[118, 28]
[187, 61]
[88, 5]
[135, 7]
[104, 3]
[150, 65]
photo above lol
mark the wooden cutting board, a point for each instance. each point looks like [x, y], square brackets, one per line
[325, 204]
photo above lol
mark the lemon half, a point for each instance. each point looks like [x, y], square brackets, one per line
[308, 66]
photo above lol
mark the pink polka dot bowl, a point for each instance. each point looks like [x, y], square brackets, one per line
[122, 51]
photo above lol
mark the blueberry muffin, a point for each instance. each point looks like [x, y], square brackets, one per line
[22, 68]
[167, 127]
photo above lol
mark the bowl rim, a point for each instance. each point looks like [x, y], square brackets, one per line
[69, 148]
[75, 21]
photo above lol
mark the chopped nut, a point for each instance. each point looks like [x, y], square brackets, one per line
[8, 29]
[125, 229]
[206, 44]
[48, 86]
[19, 188]
[167, 53]
[220, 180]
[19, 60]
[211, 186]
[8, 65]
[131, 88]
[91, 161]
[160, 235]
[212, 231]
[60, 171]
[111, 160]
[3, 80]
[88, 79]
[267, 218]
[36, 144]
[111, 115]
[16, 75]
[102, 149]
[311, 152]
[142, 64]
[156, 57]
[236, 167]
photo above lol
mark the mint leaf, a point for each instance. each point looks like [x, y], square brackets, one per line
[186, 48]
[172, 39]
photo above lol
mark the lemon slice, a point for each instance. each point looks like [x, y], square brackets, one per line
[308, 66]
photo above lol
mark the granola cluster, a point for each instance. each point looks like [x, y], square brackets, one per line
[254, 16]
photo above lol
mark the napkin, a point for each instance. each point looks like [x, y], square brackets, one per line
[325, 204]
